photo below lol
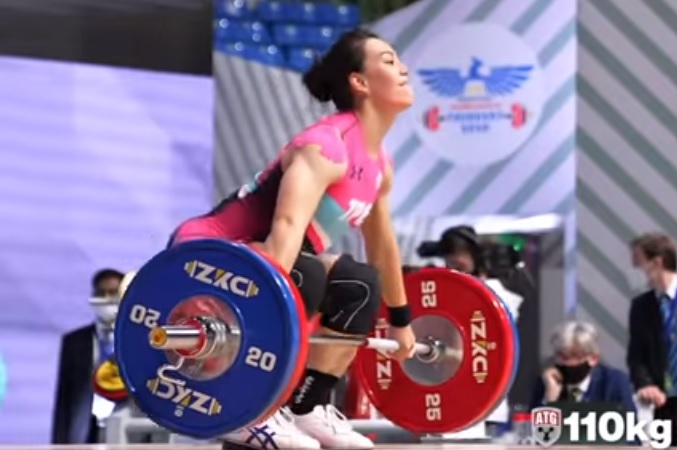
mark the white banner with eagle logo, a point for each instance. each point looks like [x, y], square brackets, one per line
[478, 102]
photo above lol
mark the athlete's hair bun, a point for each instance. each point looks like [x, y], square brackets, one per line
[329, 78]
[317, 82]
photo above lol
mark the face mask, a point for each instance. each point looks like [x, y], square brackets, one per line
[637, 281]
[105, 309]
[574, 374]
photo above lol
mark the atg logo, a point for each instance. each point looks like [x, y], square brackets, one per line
[477, 102]
[611, 427]
[546, 424]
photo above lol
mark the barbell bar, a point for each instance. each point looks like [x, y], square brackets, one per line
[197, 340]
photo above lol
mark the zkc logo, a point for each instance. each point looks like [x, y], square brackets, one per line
[228, 281]
[184, 398]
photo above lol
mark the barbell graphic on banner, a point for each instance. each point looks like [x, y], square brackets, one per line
[433, 117]
[212, 336]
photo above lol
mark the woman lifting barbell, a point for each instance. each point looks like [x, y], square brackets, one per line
[332, 176]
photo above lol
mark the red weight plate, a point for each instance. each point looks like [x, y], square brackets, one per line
[485, 368]
[305, 336]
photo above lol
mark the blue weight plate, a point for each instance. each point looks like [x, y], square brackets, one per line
[270, 343]
[516, 340]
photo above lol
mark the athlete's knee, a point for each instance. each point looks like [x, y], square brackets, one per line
[310, 277]
[353, 297]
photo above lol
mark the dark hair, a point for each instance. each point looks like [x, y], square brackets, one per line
[454, 239]
[657, 245]
[104, 274]
[327, 79]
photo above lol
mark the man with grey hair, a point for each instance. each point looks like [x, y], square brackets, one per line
[576, 373]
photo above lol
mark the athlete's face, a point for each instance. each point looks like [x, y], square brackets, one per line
[385, 79]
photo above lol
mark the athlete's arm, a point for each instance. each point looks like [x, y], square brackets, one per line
[381, 246]
[308, 172]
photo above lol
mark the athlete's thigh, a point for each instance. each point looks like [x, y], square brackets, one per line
[310, 277]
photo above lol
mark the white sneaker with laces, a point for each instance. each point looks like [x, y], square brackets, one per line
[277, 432]
[332, 429]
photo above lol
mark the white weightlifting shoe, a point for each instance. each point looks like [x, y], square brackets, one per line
[277, 432]
[332, 429]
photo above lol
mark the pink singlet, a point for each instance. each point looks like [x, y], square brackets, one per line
[247, 214]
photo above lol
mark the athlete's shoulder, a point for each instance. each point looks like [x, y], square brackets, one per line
[326, 134]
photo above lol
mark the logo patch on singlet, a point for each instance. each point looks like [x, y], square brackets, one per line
[357, 212]
[356, 172]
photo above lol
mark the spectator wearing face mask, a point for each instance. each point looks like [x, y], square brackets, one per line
[652, 344]
[577, 375]
[82, 351]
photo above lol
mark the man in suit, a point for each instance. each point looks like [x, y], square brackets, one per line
[576, 374]
[652, 344]
[82, 351]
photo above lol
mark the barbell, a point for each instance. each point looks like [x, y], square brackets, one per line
[212, 336]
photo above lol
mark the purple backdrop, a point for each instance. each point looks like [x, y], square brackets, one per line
[97, 165]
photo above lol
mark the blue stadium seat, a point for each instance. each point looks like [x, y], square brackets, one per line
[272, 11]
[258, 32]
[343, 15]
[266, 54]
[316, 13]
[233, 48]
[292, 35]
[305, 35]
[226, 31]
[236, 31]
[269, 54]
[300, 59]
[301, 12]
[322, 37]
[234, 9]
